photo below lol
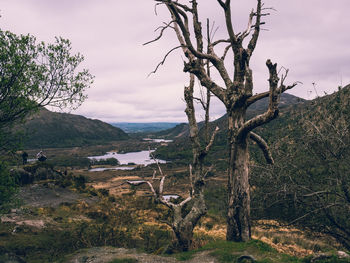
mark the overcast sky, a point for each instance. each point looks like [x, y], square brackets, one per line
[309, 37]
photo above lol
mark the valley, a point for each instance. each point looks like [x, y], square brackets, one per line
[101, 207]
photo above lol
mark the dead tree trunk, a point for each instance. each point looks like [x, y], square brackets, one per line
[183, 225]
[236, 95]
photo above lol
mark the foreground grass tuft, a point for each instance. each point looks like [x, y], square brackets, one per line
[263, 253]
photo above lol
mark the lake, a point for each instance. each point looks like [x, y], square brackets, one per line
[157, 140]
[138, 158]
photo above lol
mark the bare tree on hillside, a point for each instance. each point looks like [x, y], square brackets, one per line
[183, 223]
[236, 94]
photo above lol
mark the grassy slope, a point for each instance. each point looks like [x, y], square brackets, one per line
[51, 129]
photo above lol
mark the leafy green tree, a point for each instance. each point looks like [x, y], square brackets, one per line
[34, 75]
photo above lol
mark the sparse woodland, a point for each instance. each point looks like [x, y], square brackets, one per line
[267, 182]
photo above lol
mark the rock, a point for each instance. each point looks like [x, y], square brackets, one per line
[246, 258]
[321, 256]
[342, 254]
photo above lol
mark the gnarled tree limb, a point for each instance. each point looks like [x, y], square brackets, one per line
[263, 146]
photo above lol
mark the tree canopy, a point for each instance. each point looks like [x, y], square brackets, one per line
[34, 75]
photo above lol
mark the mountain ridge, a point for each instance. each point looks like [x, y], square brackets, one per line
[46, 129]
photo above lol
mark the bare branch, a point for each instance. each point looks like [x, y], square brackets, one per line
[249, 27]
[281, 89]
[209, 170]
[184, 7]
[222, 4]
[254, 39]
[263, 146]
[197, 27]
[191, 179]
[220, 41]
[185, 201]
[163, 28]
[228, 18]
[154, 175]
[313, 211]
[201, 102]
[272, 110]
[207, 148]
[163, 61]
[225, 52]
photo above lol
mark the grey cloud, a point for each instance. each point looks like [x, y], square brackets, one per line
[308, 37]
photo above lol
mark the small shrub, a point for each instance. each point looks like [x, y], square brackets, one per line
[79, 181]
[103, 191]
[109, 161]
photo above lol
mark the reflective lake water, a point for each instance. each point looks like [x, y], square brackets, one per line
[101, 169]
[157, 140]
[126, 158]
[138, 158]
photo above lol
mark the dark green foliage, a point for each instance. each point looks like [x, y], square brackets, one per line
[35, 172]
[103, 191]
[69, 161]
[154, 238]
[8, 188]
[309, 184]
[51, 244]
[231, 251]
[216, 200]
[79, 182]
[109, 161]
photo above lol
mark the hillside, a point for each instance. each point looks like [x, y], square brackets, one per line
[144, 127]
[51, 129]
[309, 183]
[179, 149]
[181, 130]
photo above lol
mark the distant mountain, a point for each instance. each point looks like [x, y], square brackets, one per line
[135, 127]
[51, 129]
[182, 131]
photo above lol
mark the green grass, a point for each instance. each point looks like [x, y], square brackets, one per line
[230, 251]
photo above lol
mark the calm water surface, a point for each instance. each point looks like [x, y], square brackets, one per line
[126, 158]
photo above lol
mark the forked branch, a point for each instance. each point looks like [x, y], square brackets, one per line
[274, 95]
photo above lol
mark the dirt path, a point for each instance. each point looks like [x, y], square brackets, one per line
[107, 254]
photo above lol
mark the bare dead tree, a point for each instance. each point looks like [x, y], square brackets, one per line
[236, 95]
[182, 223]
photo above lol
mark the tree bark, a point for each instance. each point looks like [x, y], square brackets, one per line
[183, 226]
[238, 211]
